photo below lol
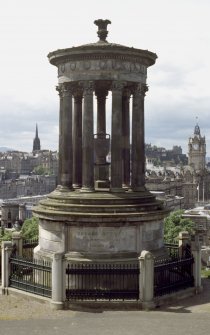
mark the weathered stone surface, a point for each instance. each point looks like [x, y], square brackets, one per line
[86, 221]
[102, 69]
[102, 239]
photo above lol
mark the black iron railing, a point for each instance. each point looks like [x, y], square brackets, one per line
[28, 247]
[173, 275]
[30, 275]
[173, 250]
[102, 281]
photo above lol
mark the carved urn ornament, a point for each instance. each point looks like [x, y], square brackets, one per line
[102, 29]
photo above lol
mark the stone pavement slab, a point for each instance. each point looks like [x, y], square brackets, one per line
[21, 316]
[109, 323]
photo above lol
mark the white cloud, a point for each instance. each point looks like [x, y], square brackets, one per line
[178, 31]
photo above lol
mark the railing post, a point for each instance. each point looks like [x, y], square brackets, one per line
[18, 241]
[58, 286]
[7, 248]
[196, 252]
[146, 284]
[184, 241]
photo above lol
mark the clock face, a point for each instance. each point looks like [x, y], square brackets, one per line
[195, 146]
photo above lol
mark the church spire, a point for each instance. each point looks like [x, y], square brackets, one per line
[36, 142]
[197, 128]
[36, 131]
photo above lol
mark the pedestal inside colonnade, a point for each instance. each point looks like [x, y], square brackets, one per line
[79, 219]
[100, 225]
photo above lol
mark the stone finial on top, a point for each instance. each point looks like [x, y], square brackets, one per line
[102, 29]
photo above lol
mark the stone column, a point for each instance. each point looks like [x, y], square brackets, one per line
[146, 284]
[101, 142]
[58, 285]
[77, 140]
[126, 137]
[116, 137]
[59, 89]
[138, 150]
[101, 95]
[87, 139]
[65, 138]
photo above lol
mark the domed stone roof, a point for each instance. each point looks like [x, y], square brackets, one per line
[103, 48]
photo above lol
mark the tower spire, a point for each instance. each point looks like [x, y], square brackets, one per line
[36, 131]
[36, 142]
[197, 128]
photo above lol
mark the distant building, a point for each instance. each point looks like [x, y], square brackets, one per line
[27, 186]
[162, 156]
[13, 212]
[197, 165]
[197, 150]
[190, 181]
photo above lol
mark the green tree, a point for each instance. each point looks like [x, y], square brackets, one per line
[157, 162]
[30, 228]
[174, 224]
[42, 171]
[5, 235]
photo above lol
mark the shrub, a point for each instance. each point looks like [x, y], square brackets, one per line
[174, 224]
[30, 228]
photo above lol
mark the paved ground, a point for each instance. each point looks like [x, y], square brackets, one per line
[22, 316]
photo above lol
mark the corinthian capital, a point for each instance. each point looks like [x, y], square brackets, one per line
[88, 86]
[140, 89]
[118, 85]
[59, 90]
[67, 89]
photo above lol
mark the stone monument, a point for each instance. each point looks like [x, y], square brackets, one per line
[101, 210]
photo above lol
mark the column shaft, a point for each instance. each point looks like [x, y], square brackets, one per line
[126, 137]
[87, 140]
[101, 111]
[77, 141]
[66, 138]
[59, 89]
[116, 138]
[138, 146]
[100, 137]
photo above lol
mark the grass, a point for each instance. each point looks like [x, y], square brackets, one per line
[205, 273]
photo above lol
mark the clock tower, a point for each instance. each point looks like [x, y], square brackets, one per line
[197, 150]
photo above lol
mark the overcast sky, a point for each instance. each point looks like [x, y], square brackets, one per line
[179, 90]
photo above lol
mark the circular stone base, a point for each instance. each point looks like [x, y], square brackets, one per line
[100, 224]
[64, 204]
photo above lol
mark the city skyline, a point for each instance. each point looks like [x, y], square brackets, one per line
[178, 82]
